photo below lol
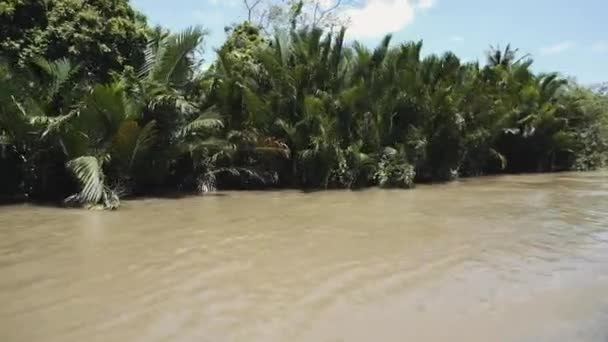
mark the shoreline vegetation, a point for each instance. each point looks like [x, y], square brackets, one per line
[95, 105]
[172, 194]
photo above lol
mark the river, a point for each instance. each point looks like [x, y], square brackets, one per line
[508, 258]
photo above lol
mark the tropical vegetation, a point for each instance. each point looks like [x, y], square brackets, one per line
[90, 113]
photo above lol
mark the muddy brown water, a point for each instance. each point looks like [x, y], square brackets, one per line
[510, 258]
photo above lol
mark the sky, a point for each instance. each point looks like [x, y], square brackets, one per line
[567, 36]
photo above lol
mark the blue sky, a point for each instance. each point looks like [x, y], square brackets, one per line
[562, 35]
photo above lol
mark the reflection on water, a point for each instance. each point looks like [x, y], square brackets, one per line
[513, 258]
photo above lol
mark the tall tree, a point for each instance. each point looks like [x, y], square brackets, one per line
[102, 35]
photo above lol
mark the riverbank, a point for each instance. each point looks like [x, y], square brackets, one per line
[170, 194]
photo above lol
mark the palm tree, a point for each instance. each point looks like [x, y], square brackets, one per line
[112, 139]
[504, 58]
[124, 121]
[304, 109]
[35, 106]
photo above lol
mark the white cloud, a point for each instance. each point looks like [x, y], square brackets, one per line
[366, 18]
[457, 39]
[600, 46]
[557, 48]
[426, 4]
[379, 17]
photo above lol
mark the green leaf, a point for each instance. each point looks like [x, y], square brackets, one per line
[163, 59]
[88, 171]
[145, 140]
[209, 120]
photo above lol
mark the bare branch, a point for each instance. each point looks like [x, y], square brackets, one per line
[314, 14]
[324, 13]
[263, 20]
[251, 7]
[277, 13]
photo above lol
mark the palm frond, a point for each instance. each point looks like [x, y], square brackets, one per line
[172, 99]
[259, 112]
[88, 172]
[107, 106]
[145, 139]
[175, 49]
[57, 123]
[209, 120]
[59, 72]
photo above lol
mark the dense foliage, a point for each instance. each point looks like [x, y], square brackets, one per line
[302, 109]
[101, 35]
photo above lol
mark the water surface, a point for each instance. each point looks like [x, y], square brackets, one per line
[510, 258]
